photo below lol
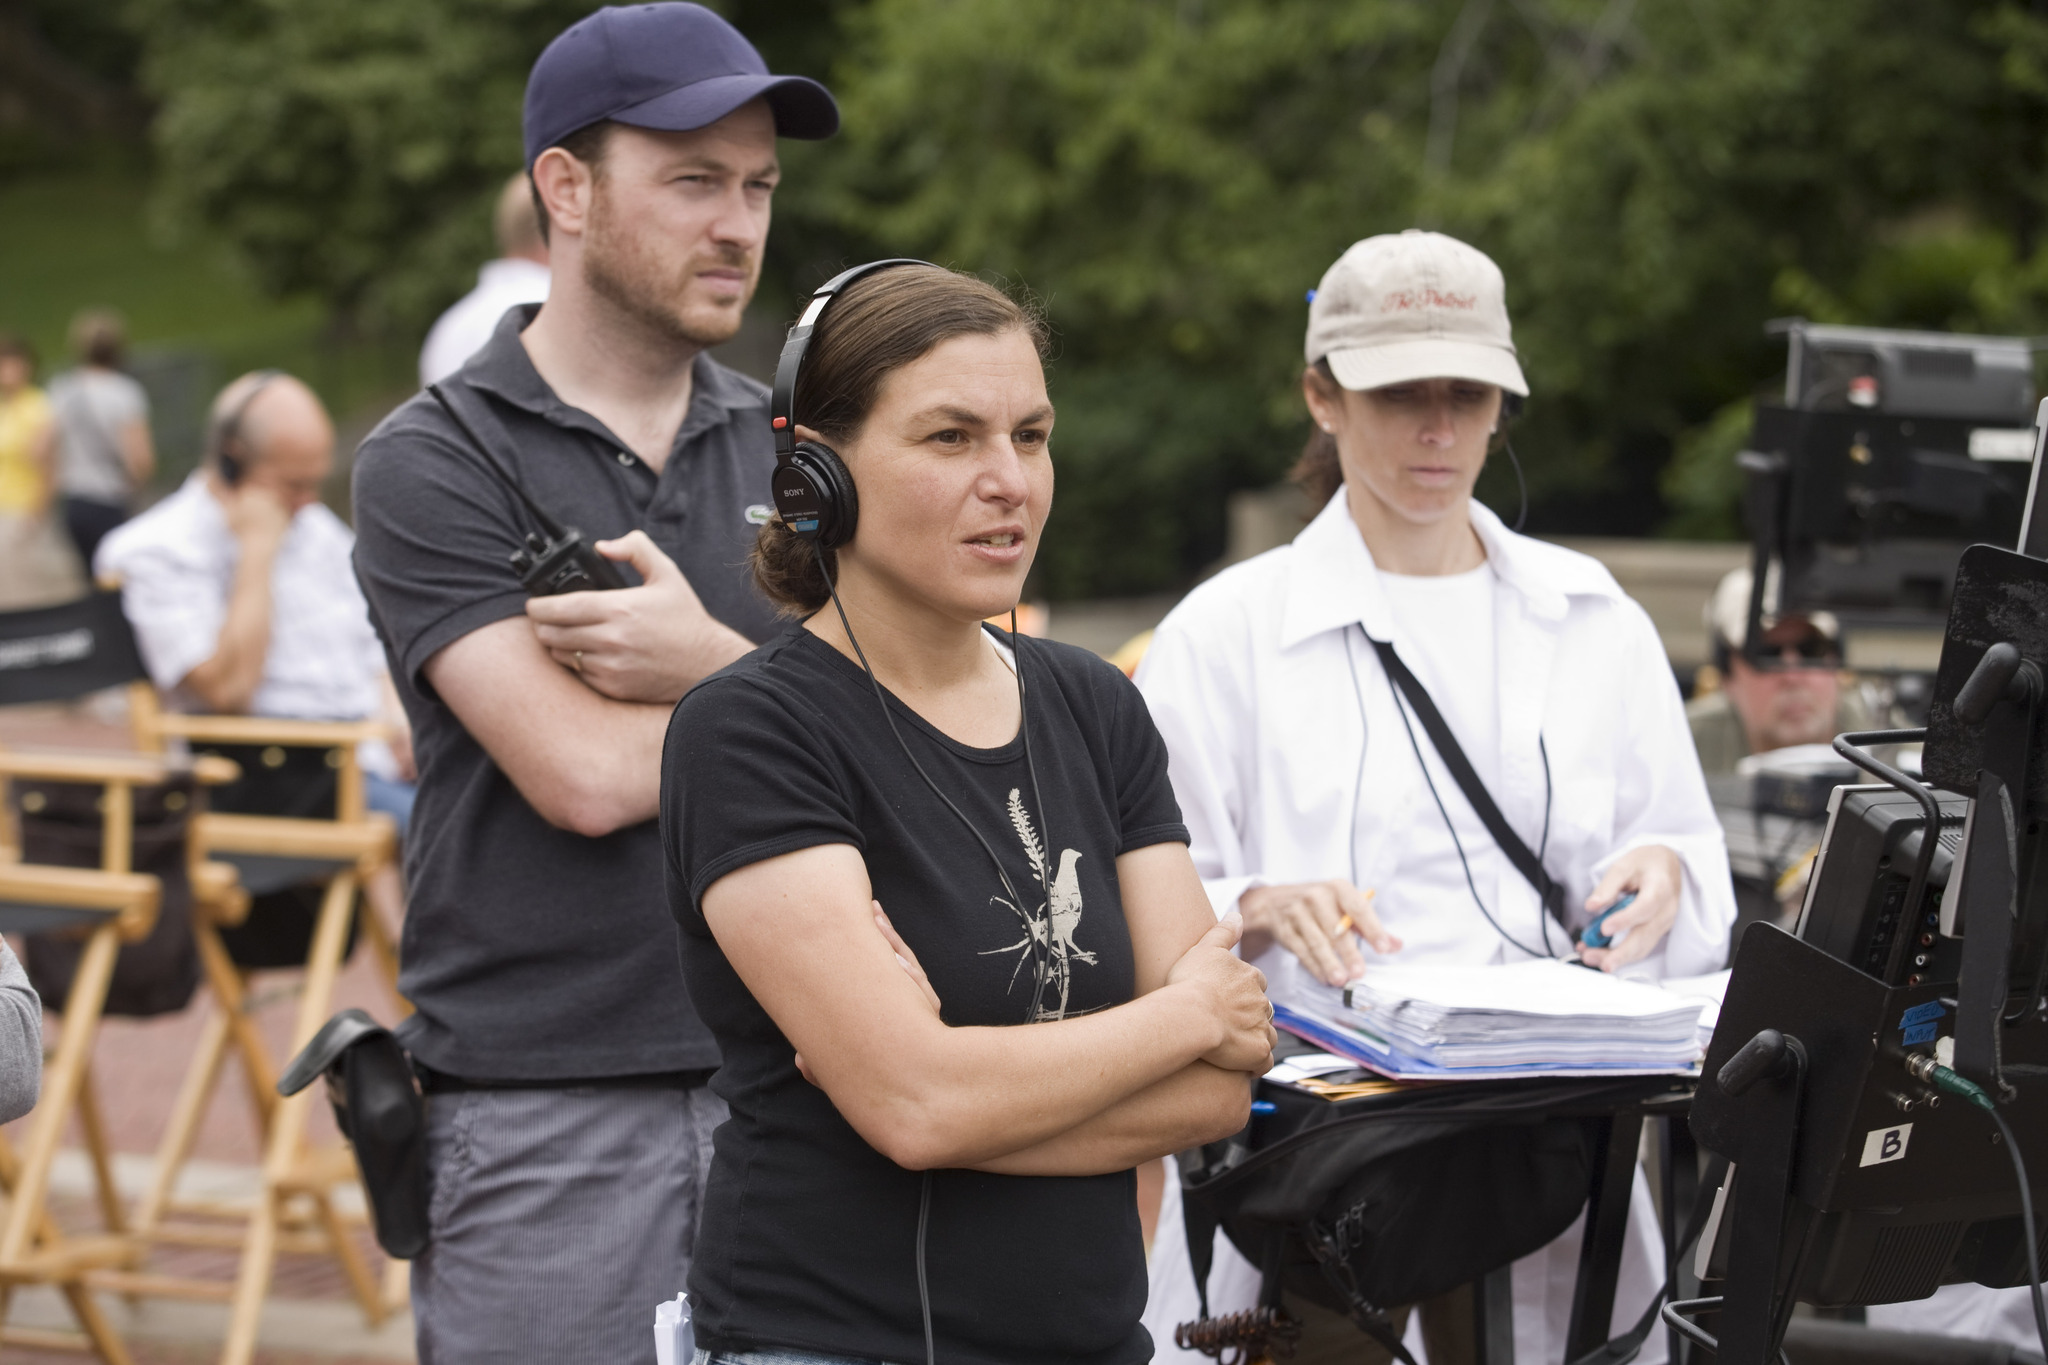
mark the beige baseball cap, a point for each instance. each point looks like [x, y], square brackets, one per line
[1413, 305]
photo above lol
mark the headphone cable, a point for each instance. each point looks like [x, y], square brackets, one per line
[924, 1201]
[924, 1292]
[1521, 483]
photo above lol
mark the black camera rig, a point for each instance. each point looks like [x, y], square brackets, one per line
[1890, 452]
[1917, 974]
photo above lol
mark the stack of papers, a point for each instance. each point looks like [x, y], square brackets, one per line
[1526, 1018]
[1708, 990]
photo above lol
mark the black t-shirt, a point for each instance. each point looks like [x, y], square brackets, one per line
[531, 952]
[807, 1238]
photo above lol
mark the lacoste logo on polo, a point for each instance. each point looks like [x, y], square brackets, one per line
[1407, 300]
[760, 513]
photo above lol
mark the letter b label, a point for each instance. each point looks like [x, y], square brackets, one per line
[1885, 1144]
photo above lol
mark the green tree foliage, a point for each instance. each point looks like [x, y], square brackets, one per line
[355, 149]
[1656, 181]
[1170, 176]
[351, 150]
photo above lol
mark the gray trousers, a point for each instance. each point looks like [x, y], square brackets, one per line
[559, 1219]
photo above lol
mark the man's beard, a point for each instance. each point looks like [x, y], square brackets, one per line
[617, 270]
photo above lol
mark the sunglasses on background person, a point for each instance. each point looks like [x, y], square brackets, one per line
[1815, 651]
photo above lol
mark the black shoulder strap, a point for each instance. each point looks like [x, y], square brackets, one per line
[1526, 862]
[505, 475]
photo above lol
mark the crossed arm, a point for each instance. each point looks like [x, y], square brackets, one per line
[1080, 1096]
[572, 700]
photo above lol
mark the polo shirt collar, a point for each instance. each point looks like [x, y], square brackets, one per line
[1332, 581]
[504, 369]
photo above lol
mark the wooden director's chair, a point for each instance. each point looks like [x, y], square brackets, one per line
[55, 654]
[296, 1210]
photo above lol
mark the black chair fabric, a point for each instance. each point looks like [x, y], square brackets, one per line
[285, 893]
[60, 826]
[56, 653]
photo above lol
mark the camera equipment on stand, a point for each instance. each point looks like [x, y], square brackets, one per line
[1891, 452]
[1773, 809]
[1916, 975]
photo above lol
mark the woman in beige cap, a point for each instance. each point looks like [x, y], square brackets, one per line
[1317, 803]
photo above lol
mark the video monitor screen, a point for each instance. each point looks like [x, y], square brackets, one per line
[1877, 508]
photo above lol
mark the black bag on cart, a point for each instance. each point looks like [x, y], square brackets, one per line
[1361, 1206]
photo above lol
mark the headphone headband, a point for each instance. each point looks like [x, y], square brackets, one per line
[229, 427]
[786, 369]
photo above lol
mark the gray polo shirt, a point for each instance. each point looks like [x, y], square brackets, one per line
[533, 953]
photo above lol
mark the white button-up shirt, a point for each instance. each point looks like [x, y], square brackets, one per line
[176, 563]
[1281, 779]
[1289, 771]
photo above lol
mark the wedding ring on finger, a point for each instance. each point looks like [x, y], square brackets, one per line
[578, 665]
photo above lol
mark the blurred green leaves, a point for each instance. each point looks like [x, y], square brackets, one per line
[1170, 176]
[351, 149]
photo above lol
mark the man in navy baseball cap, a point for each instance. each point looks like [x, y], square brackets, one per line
[671, 67]
[569, 1121]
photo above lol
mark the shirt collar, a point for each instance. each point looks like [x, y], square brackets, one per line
[1332, 581]
[504, 369]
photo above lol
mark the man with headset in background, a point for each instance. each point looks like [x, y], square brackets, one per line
[569, 1124]
[239, 592]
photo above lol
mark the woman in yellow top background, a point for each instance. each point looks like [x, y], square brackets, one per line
[36, 567]
[27, 433]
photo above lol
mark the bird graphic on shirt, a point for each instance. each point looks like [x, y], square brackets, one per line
[1049, 927]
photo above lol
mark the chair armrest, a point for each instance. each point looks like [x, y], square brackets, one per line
[286, 734]
[101, 766]
[131, 898]
[369, 841]
[86, 766]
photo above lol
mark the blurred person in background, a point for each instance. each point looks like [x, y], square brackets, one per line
[104, 451]
[36, 564]
[1799, 699]
[243, 601]
[519, 275]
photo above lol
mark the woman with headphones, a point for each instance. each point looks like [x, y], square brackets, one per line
[935, 895]
[1309, 697]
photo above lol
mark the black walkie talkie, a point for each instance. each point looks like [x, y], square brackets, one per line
[556, 559]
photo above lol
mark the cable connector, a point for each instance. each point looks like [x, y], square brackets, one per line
[1924, 1068]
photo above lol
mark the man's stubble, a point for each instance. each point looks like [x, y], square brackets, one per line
[619, 269]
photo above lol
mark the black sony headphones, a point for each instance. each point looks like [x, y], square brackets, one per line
[227, 432]
[813, 491]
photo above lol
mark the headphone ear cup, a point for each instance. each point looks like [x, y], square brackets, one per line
[841, 499]
[814, 495]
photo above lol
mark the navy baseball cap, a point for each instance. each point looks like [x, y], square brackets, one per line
[669, 66]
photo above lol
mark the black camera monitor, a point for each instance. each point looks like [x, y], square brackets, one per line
[1876, 507]
[1856, 910]
[1890, 452]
